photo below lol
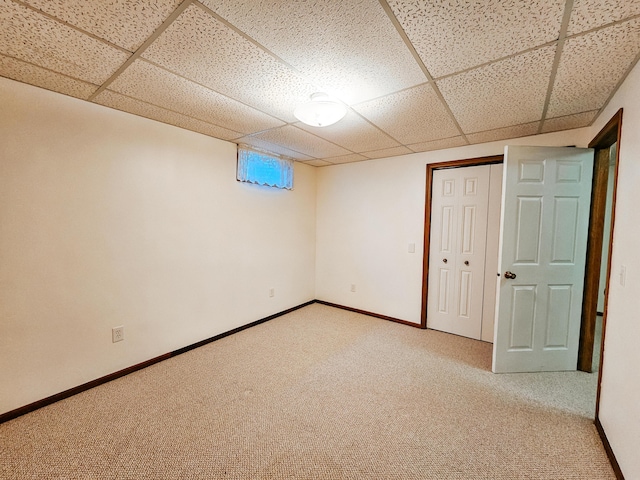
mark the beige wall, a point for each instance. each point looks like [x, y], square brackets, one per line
[369, 212]
[109, 219]
[620, 397]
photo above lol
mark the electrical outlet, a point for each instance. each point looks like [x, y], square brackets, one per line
[353, 287]
[272, 292]
[117, 334]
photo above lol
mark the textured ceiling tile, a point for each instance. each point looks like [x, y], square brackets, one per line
[126, 23]
[504, 93]
[568, 122]
[201, 48]
[353, 133]
[302, 142]
[137, 107]
[318, 163]
[154, 85]
[410, 116]
[273, 148]
[591, 66]
[350, 49]
[438, 144]
[516, 131]
[27, 73]
[455, 35]
[387, 152]
[32, 37]
[353, 157]
[588, 14]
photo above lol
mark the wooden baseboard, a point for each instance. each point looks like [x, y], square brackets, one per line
[363, 312]
[10, 415]
[609, 450]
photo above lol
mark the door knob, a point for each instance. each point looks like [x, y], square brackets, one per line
[509, 275]
[444, 260]
[466, 262]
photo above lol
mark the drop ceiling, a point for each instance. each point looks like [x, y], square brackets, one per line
[417, 75]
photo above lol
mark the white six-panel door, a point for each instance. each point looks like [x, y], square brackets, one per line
[544, 227]
[457, 243]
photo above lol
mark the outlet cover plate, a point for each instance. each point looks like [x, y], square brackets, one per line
[117, 334]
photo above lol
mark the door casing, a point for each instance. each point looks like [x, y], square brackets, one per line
[609, 135]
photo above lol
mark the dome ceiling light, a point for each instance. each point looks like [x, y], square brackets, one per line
[320, 111]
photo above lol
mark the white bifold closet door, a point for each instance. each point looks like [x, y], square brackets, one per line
[457, 249]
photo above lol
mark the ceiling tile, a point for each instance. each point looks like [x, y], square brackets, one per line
[504, 133]
[154, 85]
[37, 39]
[353, 133]
[302, 142]
[349, 49]
[568, 122]
[504, 93]
[387, 152]
[591, 66]
[318, 163]
[273, 148]
[410, 116]
[451, 36]
[203, 49]
[438, 144]
[40, 77]
[137, 107]
[353, 157]
[126, 23]
[588, 14]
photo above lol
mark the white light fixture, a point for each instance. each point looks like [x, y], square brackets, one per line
[320, 111]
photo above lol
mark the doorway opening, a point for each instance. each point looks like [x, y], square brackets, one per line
[604, 268]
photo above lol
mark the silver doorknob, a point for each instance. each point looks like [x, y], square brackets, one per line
[444, 260]
[509, 275]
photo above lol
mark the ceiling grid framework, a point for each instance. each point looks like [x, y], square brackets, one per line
[416, 75]
[556, 61]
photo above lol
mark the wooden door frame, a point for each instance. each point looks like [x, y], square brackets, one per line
[470, 162]
[601, 143]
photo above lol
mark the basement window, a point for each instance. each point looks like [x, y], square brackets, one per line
[264, 169]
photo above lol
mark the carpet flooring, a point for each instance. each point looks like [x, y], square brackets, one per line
[319, 393]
